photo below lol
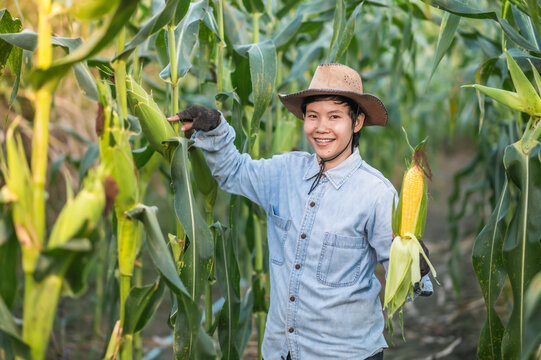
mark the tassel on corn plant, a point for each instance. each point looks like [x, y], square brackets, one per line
[408, 226]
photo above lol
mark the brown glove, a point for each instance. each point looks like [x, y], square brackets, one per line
[202, 118]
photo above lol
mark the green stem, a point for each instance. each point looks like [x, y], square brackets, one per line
[255, 23]
[208, 285]
[120, 79]
[261, 320]
[138, 281]
[221, 48]
[125, 284]
[175, 95]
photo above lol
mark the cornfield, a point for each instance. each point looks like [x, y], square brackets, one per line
[107, 206]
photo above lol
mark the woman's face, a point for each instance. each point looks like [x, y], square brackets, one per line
[328, 128]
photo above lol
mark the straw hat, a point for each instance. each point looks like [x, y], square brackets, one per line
[338, 79]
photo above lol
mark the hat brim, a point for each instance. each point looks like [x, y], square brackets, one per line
[372, 106]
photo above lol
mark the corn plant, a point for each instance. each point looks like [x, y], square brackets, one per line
[234, 56]
[508, 246]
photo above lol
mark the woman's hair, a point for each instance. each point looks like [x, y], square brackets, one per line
[354, 110]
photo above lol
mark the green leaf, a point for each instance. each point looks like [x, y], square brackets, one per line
[9, 255]
[228, 276]
[187, 328]
[508, 98]
[522, 244]
[206, 183]
[186, 36]
[7, 25]
[14, 54]
[487, 262]
[101, 38]
[141, 304]
[346, 34]
[93, 9]
[263, 75]
[516, 37]
[58, 259]
[235, 24]
[525, 89]
[532, 327]
[287, 32]
[91, 155]
[157, 248]
[308, 55]
[198, 255]
[205, 346]
[8, 329]
[337, 27]
[161, 18]
[240, 77]
[254, 6]
[533, 12]
[459, 8]
[448, 27]
[142, 156]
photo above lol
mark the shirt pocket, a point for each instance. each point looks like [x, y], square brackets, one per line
[340, 260]
[279, 228]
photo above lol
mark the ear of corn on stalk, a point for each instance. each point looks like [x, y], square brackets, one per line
[525, 99]
[408, 225]
[154, 125]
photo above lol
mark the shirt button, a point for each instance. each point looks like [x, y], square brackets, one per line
[303, 236]
[312, 204]
[291, 330]
[292, 298]
[297, 266]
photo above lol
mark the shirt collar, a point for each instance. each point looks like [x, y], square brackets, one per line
[339, 174]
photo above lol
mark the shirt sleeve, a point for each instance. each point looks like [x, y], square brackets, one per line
[237, 173]
[380, 232]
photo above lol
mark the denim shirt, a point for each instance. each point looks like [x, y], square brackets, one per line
[323, 247]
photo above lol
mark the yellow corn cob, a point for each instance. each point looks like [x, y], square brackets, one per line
[412, 192]
[408, 225]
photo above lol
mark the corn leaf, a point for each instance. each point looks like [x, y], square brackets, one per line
[186, 37]
[521, 248]
[157, 247]
[449, 25]
[287, 31]
[101, 38]
[7, 25]
[161, 18]
[197, 258]
[11, 342]
[141, 304]
[9, 259]
[254, 6]
[524, 88]
[488, 265]
[532, 327]
[205, 182]
[228, 276]
[263, 75]
[93, 9]
[508, 98]
[15, 58]
[345, 34]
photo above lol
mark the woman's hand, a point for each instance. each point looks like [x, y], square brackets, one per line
[197, 117]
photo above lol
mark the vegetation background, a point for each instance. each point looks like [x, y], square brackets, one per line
[89, 103]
